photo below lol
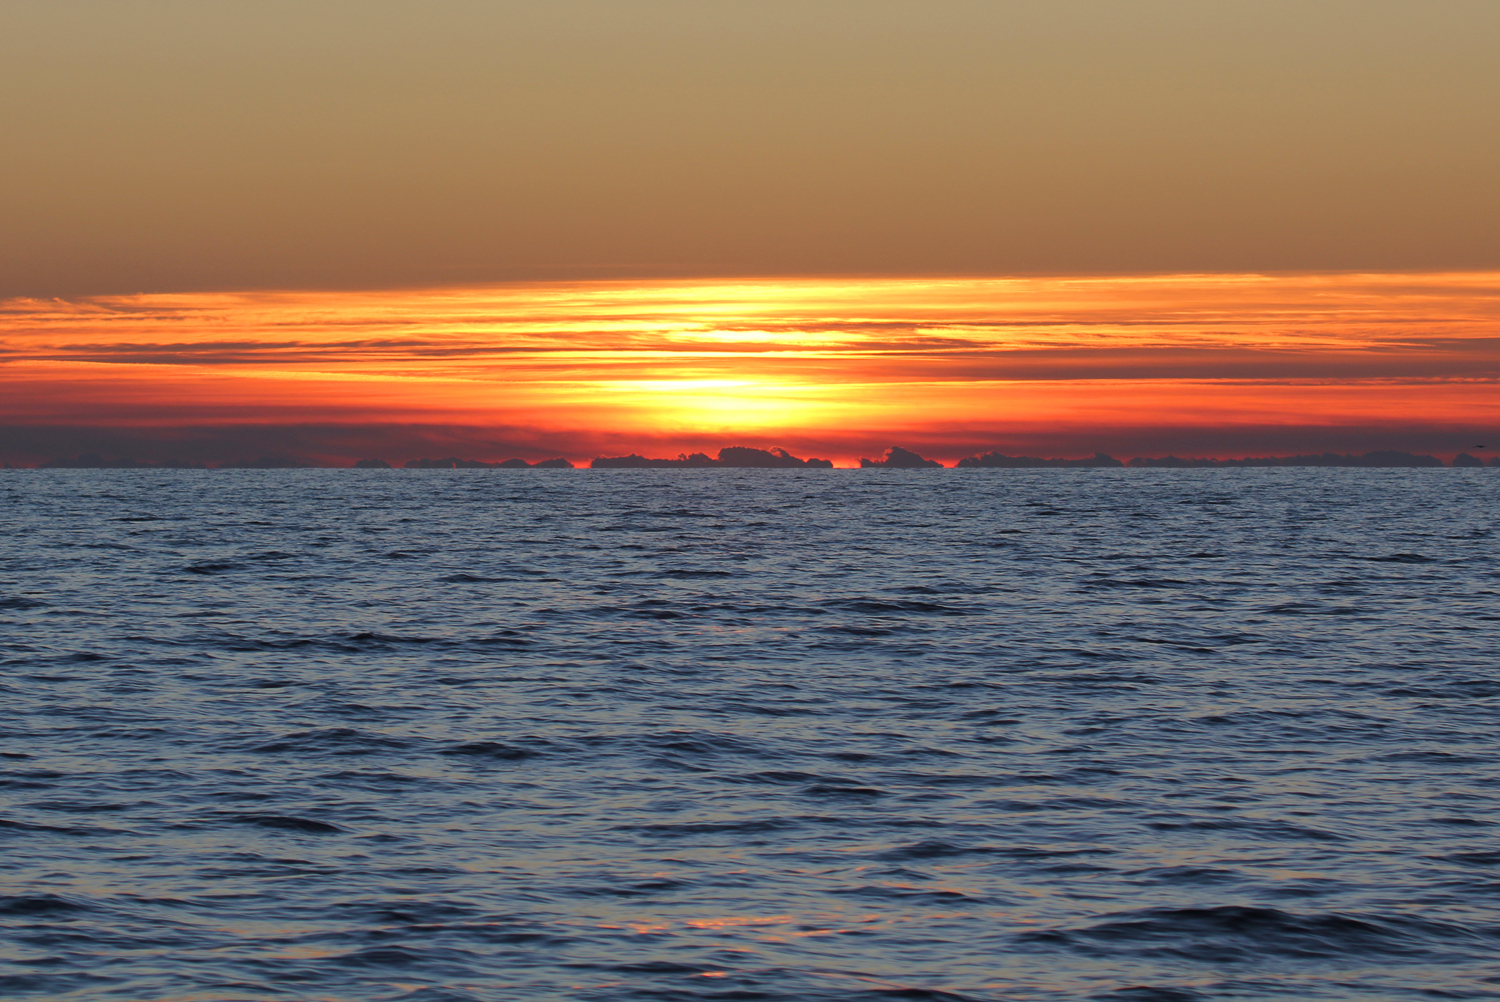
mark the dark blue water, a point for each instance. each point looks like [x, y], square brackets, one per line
[782, 735]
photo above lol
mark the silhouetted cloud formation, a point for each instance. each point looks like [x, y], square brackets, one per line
[634, 462]
[453, 463]
[740, 456]
[900, 459]
[734, 456]
[995, 460]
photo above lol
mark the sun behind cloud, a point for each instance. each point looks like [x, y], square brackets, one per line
[1216, 364]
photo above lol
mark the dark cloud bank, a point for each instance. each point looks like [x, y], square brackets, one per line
[740, 457]
[340, 444]
[735, 456]
[901, 459]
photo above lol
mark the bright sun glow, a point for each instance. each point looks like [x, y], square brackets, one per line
[834, 367]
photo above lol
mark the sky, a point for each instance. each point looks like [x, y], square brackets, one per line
[176, 169]
[834, 368]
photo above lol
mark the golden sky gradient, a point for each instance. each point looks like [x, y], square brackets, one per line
[1224, 365]
[171, 145]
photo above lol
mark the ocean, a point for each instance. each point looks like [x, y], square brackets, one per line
[453, 735]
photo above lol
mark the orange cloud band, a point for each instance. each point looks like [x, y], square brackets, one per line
[1222, 364]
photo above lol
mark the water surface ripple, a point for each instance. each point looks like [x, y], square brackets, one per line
[1126, 735]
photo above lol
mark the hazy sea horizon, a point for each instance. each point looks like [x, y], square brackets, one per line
[745, 458]
[1136, 735]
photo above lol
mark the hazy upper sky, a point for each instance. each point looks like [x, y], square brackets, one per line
[162, 145]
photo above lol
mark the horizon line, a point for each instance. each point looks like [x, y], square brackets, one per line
[741, 457]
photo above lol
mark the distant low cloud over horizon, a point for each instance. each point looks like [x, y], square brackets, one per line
[172, 145]
[1222, 366]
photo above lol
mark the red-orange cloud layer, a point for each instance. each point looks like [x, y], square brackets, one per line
[1224, 365]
